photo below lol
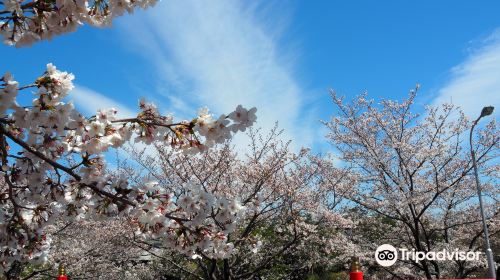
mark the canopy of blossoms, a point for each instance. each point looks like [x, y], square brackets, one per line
[53, 168]
[23, 23]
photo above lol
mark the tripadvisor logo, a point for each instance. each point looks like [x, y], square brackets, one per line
[387, 255]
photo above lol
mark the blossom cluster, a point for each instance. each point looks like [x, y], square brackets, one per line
[196, 221]
[53, 169]
[25, 22]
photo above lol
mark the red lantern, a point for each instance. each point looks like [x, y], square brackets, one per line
[356, 273]
[62, 273]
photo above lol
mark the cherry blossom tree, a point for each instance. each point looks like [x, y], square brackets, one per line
[23, 23]
[53, 167]
[92, 250]
[103, 249]
[413, 181]
[287, 221]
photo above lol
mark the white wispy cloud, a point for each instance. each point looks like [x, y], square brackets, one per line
[90, 102]
[220, 54]
[475, 83]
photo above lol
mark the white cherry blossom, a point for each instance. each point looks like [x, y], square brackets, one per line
[57, 171]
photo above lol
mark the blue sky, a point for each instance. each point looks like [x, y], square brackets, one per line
[280, 56]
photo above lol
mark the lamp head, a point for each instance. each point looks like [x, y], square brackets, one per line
[355, 265]
[62, 270]
[487, 111]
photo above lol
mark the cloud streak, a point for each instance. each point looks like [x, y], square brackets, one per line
[216, 53]
[91, 101]
[475, 83]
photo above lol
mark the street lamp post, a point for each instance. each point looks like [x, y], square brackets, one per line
[489, 253]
